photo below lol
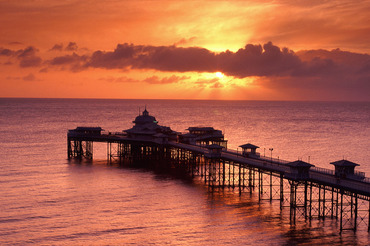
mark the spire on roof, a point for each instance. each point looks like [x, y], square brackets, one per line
[145, 112]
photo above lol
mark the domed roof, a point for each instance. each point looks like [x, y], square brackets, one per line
[145, 118]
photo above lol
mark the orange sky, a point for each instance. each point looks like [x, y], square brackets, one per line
[262, 50]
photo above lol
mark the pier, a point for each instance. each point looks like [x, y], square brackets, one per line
[309, 192]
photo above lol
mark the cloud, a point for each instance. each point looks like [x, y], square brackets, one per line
[15, 43]
[266, 60]
[274, 66]
[184, 41]
[29, 77]
[252, 60]
[30, 62]
[162, 58]
[122, 79]
[217, 85]
[6, 52]
[150, 80]
[72, 46]
[57, 47]
[28, 58]
[44, 70]
[74, 62]
[255, 60]
[211, 83]
[165, 80]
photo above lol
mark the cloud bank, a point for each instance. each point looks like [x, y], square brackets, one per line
[252, 60]
[282, 67]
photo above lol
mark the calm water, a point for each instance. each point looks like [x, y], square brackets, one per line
[46, 200]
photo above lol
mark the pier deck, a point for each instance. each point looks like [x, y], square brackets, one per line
[308, 191]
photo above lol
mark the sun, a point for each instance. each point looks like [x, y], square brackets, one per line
[219, 75]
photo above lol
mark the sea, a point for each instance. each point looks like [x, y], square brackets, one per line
[47, 200]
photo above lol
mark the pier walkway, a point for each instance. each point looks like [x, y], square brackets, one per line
[318, 175]
[308, 191]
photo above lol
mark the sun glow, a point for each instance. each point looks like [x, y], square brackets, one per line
[219, 75]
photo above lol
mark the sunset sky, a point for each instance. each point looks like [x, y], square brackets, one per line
[234, 50]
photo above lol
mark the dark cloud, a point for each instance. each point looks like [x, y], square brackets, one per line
[331, 71]
[255, 60]
[6, 52]
[28, 58]
[30, 62]
[72, 46]
[57, 47]
[67, 59]
[74, 62]
[163, 58]
[252, 60]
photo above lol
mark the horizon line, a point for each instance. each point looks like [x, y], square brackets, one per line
[182, 99]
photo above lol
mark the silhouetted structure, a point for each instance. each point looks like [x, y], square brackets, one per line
[203, 136]
[299, 170]
[146, 128]
[310, 191]
[344, 168]
[249, 150]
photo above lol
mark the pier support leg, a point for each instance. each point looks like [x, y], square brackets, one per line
[270, 187]
[240, 179]
[281, 191]
[88, 150]
[305, 199]
[323, 202]
[223, 174]
[341, 211]
[319, 204]
[260, 185]
[368, 223]
[355, 222]
[310, 206]
[293, 201]
[250, 180]
[332, 203]
[233, 175]
[69, 147]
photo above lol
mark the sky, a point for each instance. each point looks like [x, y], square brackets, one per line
[219, 50]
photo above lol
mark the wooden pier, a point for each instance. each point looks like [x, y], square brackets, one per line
[308, 192]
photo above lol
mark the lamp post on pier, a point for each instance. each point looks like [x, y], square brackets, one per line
[271, 149]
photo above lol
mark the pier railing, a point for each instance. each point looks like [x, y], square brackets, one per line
[273, 160]
[322, 170]
[258, 157]
[360, 176]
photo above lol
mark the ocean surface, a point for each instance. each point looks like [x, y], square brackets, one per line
[47, 200]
